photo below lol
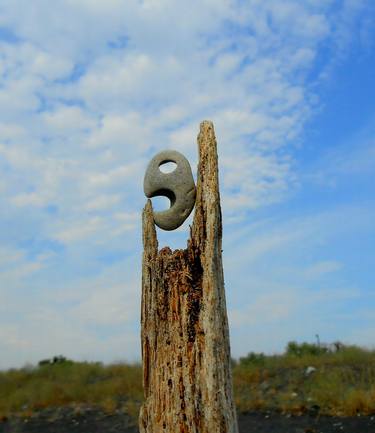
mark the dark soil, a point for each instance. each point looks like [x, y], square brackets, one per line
[89, 420]
[276, 423]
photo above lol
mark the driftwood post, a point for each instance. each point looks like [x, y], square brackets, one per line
[185, 339]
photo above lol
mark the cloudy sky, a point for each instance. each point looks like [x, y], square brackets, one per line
[90, 90]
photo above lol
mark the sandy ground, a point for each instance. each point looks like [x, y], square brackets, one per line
[64, 420]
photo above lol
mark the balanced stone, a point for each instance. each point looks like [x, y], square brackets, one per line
[178, 186]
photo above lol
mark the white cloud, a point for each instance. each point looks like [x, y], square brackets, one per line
[15, 270]
[137, 91]
[123, 173]
[11, 131]
[82, 111]
[65, 120]
[67, 317]
[127, 131]
[321, 268]
[265, 309]
[29, 199]
[287, 292]
[9, 256]
[80, 230]
[103, 202]
[109, 306]
[348, 162]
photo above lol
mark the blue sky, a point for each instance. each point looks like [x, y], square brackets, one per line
[91, 90]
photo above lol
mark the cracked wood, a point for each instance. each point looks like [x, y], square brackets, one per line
[185, 338]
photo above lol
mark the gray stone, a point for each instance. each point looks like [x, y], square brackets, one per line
[310, 370]
[178, 186]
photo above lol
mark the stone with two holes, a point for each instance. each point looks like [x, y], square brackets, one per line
[178, 186]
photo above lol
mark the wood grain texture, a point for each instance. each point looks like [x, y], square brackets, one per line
[185, 338]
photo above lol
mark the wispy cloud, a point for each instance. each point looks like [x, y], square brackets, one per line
[298, 281]
[82, 112]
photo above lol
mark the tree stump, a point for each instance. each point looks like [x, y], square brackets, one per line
[187, 375]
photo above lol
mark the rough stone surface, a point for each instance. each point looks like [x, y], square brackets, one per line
[187, 377]
[178, 186]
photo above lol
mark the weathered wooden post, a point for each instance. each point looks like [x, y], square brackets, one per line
[185, 338]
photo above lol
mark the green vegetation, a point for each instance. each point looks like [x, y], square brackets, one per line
[335, 380]
[53, 384]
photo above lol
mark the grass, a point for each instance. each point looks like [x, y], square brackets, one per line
[117, 386]
[343, 384]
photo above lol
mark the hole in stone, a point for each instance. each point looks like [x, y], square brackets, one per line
[167, 167]
[160, 203]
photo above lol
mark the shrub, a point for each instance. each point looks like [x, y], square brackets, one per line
[253, 358]
[295, 349]
[55, 360]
